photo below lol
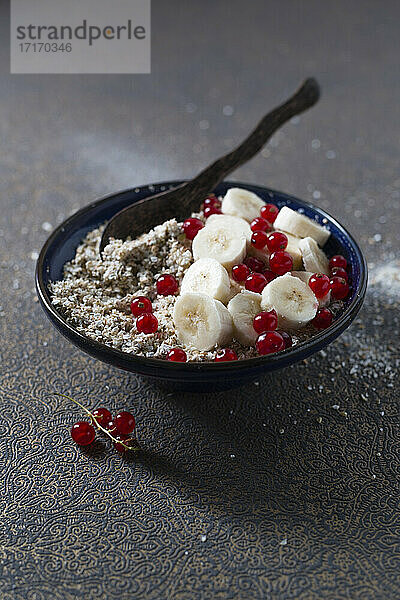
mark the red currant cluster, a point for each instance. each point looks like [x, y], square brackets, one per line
[337, 284]
[256, 274]
[211, 206]
[253, 271]
[119, 429]
[270, 339]
[142, 308]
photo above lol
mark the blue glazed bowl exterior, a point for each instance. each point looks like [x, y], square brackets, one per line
[61, 247]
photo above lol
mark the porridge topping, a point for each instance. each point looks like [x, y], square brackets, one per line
[239, 279]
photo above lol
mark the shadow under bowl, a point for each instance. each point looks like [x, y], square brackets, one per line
[194, 377]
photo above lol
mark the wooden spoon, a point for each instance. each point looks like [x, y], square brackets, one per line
[181, 201]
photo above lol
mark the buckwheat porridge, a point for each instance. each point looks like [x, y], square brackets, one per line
[237, 280]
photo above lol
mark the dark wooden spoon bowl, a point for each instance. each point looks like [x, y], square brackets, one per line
[181, 201]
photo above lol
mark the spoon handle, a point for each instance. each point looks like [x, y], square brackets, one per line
[181, 201]
[305, 97]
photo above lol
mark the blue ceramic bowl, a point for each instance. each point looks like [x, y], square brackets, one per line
[61, 247]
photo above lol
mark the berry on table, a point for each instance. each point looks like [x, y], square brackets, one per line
[83, 433]
[225, 354]
[276, 241]
[177, 355]
[280, 262]
[323, 319]
[265, 321]
[255, 282]
[259, 239]
[254, 264]
[240, 272]
[125, 422]
[147, 323]
[141, 305]
[339, 272]
[166, 285]
[212, 201]
[269, 212]
[319, 284]
[270, 342]
[339, 288]
[338, 261]
[260, 224]
[191, 227]
[102, 416]
[124, 443]
[212, 210]
[286, 338]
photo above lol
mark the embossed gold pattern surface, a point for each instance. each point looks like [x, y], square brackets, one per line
[267, 492]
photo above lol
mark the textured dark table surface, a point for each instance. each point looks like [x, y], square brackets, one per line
[284, 489]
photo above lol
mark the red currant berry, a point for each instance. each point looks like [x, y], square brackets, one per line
[339, 288]
[191, 227]
[125, 422]
[338, 261]
[177, 355]
[225, 354]
[265, 321]
[141, 305]
[166, 285]
[260, 224]
[280, 262]
[126, 441]
[212, 201]
[339, 272]
[255, 264]
[269, 275]
[240, 272]
[269, 212]
[255, 282]
[286, 338]
[83, 433]
[259, 239]
[102, 416]
[322, 319]
[147, 323]
[212, 210]
[110, 426]
[277, 241]
[319, 284]
[270, 342]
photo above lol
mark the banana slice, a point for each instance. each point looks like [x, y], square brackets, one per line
[236, 223]
[207, 276]
[236, 288]
[220, 241]
[292, 299]
[314, 259]
[241, 203]
[305, 276]
[301, 226]
[202, 322]
[243, 308]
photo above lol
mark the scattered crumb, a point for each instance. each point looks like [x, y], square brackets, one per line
[283, 542]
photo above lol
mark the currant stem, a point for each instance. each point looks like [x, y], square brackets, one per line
[96, 422]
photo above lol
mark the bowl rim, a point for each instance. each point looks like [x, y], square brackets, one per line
[295, 353]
